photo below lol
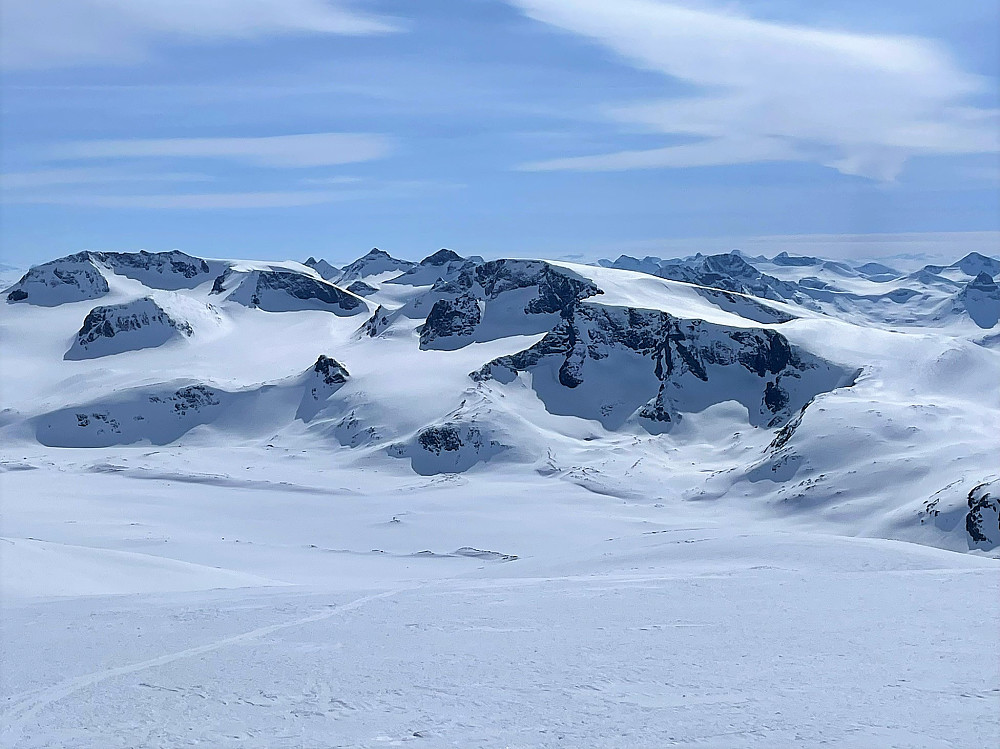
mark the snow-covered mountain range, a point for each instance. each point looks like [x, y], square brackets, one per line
[851, 397]
[469, 502]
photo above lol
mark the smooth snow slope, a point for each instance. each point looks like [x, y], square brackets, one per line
[619, 623]
[530, 504]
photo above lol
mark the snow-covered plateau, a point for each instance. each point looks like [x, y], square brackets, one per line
[718, 501]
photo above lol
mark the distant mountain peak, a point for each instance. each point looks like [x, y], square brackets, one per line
[983, 281]
[373, 263]
[783, 258]
[441, 257]
[974, 263]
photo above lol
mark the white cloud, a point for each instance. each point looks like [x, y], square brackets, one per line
[197, 201]
[734, 150]
[87, 176]
[53, 33]
[309, 150]
[862, 104]
[353, 188]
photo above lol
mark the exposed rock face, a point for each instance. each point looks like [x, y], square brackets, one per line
[451, 317]
[442, 257]
[684, 359]
[731, 272]
[746, 306]
[783, 258]
[983, 519]
[377, 322]
[191, 398]
[351, 432]
[558, 289]
[981, 300]
[931, 295]
[451, 447]
[159, 417]
[448, 438]
[327, 271]
[325, 377]
[161, 270]
[117, 328]
[544, 290]
[330, 371]
[441, 267]
[361, 288]
[727, 271]
[81, 276]
[285, 291]
[374, 263]
[72, 279]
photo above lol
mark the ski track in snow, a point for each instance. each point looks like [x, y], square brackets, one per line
[25, 707]
[677, 697]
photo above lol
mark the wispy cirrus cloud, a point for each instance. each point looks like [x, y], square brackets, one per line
[337, 189]
[41, 178]
[56, 33]
[307, 150]
[197, 201]
[859, 103]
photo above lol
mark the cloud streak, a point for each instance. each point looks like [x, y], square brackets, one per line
[353, 188]
[283, 151]
[198, 201]
[861, 104]
[56, 33]
[40, 178]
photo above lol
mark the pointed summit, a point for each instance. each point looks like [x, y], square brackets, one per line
[373, 263]
[982, 282]
[441, 257]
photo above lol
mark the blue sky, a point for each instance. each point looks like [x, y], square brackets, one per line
[288, 128]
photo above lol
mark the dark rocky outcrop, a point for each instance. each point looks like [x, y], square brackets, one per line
[678, 351]
[72, 279]
[330, 371]
[81, 276]
[442, 257]
[378, 322]
[438, 268]
[450, 317]
[361, 288]
[800, 261]
[160, 270]
[191, 398]
[448, 437]
[114, 329]
[327, 271]
[551, 290]
[745, 306]
[451, 447]
[980, 299]
[322, 380]
[983, 519]
[726, 272]
[373, 263]
[279, 290]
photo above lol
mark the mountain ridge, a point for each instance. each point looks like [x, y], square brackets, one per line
[774, 374]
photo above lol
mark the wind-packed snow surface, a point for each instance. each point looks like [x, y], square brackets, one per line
[718, 501]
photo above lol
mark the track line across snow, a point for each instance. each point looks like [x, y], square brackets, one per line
[14, 718]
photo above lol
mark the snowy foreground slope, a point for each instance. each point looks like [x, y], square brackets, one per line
[710, 502]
